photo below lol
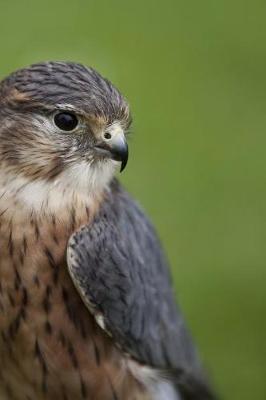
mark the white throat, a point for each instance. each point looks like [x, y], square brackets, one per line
[78, 183]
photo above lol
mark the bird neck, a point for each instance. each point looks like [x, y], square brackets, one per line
[22, 197]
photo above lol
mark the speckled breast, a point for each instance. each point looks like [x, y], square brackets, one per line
[50, 346]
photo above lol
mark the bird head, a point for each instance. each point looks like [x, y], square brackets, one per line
[61, 125]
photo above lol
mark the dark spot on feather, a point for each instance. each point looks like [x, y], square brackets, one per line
[24, 296]
[4, 338]
[83, 388]
[40, 357]
[55, 276]
[48, 290]
[52, 263]
[3, 212]
[17, 282]
[11, 300]
[55, 239]
[36, 280]
[23, 313]
[47, 305]
[53, 220]
[50, 257]
[21, 257]
[37, 231]
[62, 338]
[14, 326]
[87, 211]
[25, 245]
[72, 355]
[37, 351]
[65, 294]
[48, 328]
[10, 244]
[73, 218]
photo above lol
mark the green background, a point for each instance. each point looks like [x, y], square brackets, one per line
[194, 73]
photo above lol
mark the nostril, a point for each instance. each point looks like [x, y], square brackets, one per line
[107, 135]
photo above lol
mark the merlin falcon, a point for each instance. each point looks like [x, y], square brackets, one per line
[87, 309]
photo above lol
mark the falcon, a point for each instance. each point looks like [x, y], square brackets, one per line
[87, 309]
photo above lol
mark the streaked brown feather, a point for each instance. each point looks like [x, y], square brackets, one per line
[51, 346]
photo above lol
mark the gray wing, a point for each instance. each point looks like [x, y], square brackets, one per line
[119, 269]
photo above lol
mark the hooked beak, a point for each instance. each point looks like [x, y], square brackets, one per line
[115, 147]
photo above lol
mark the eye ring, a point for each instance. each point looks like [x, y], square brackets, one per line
[66, 121]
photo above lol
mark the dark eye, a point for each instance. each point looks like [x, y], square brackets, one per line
[66, 121]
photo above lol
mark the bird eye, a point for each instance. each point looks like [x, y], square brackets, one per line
[66, 121]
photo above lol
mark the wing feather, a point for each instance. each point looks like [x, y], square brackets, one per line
[118, 266]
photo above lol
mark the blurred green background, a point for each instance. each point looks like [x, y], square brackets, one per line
[194, 73]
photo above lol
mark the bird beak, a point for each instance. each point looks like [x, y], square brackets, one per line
[114, 145]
